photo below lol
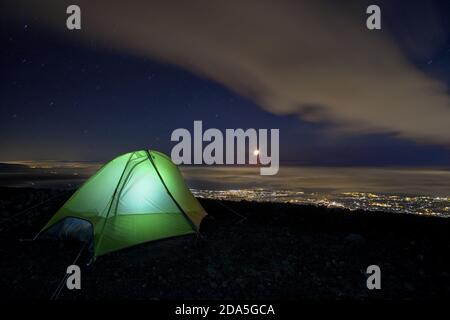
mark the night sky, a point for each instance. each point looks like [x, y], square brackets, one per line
[70, 97]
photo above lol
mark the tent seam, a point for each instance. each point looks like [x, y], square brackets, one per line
[170, 195]
[112, 200]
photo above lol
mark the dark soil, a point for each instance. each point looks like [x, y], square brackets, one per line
[279, 251]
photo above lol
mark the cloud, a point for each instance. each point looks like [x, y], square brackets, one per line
[311, 58]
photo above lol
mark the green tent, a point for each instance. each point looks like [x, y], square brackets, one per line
[137, 197]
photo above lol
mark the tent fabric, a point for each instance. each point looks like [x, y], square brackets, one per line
[137, 197]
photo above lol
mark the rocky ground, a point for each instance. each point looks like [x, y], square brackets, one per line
[279, 251]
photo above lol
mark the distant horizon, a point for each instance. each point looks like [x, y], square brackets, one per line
[384, 179]
[395, 189]
[282, 162]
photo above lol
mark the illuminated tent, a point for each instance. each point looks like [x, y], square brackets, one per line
[137, 197]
